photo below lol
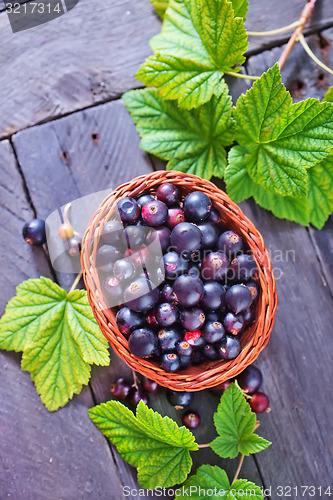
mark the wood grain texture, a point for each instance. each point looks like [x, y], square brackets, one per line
[41, 452]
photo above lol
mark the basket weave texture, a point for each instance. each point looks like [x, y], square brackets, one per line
[254, 338]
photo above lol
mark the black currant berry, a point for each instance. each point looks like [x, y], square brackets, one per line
[166, 294]
[259, 402]
[188, 291]
[254, 289]
[106, 255]
[128, 320]
[179, 400]
[250, 379]
[175, 217]
[214, 296]
[209, 234]
[168, 193]
[244, 267]
[111, 232]
[163, 235]
[249, 315]
[238, 298]
[74, 246]
[151, 318]
[229, 347]
[149, 386]
[185, 361]
[209, 352]
[191, 419]
[218, 390]
[140, 295]
[174, 265]
[133, 236]
[124, 269]
[214, 217]
[168, 339]
[234, 324]
[143, 199]
[113, 290]
[137, 395]
[170, 362]
[154, 213]
[192, 319]
[186, 238]
[197, 206]
[166, 314]
[213, 331]
[120, 389]
[142, 342]
[230, 243]
[128, 209]
[184, 348]
[34, 232]
[215, 266]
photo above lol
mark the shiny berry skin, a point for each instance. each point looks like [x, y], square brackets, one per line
[106, 255]
[212, 316]
[215, 266]
[197, 206]
[250, 379]
[128, 320]
[185, 361]
[168, 339]
[249, 315]
[230, 243]
[140, 295]
[128, 209]
[142, 342]
[154, 213]
[167, 293]
[193, 270]
[229, 347]
[191, 419]
[209, 352]
[34, 232]
[186, 238]
[111, 232]
[170, 362]
[234, 324]
[254, 289]
[113, 290]
[213, 331]
[168, 193]
[145, 198]
[163, 235]
[174, 265]
[124, 269]
[137, 395]
[238, 298]
[218, 390]
[184, 348]
[149, 386]
[179, 400]
[194, 338]
[244, 267]
[214, 296]
[192, 319]
[65, 231]
[209, 234]
[259, 402]
[175, 217]
[188, 291]
[74, 246]
[214, 217]
[120, 389]
[133, 236]
[151, 318]
[166, 314]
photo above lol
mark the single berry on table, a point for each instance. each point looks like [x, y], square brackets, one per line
[218, 390]
[168, 193]
[214, 296]
[230, 243]
[192, 319]
[186, 238]
[195, 338]
[188, 291]
[142, 342]
[154, 213]
[128, 320]
[250, 379]
[137, 395]
[170, 362]
[124, 269]
[178, 399]
[144, 198]
[120, 389]
[184, 348]
[34, 232]
[128, 209]
[111, 233]
[197, 206]
[238, 298]
[215, 266]
[149, 386]
[209, 234]
[65, 231]
[191, 419]
[229, 347]
[141, 295]
[259, 402]
[234, 324]
[213, 331]
[175, 217]
[244, 267]
[74, 246]
[166, 314]
[168, 339]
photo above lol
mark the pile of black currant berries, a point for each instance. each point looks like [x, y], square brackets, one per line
[192, 302]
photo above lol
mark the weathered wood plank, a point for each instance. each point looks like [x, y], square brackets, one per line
[41, 452]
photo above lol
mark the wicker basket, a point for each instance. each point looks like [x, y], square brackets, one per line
[254, 338]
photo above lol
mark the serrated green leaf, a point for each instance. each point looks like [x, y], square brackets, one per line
[320, 198]
[283, 139]
[156, 446]
[211, 482]
[160, 7]
[193, 141]
[329, 95]
[240, 8]
[58, 335]
[235, 422]
[199, 42]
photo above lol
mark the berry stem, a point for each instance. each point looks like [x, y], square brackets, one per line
[289, 27]
[135, 380]
[76, 282]
[312, 55]
[244, 77]
[238, 468]
[207, 445]
[65, 214]
[305, 16]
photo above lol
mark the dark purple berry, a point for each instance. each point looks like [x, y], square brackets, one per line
[185, 361]
[218, 390]
[234, 324]
[175, 217]
[197, 206]
[34, 232]
[106, 255]
[184, 348]
[166, 314]
[179, 400]
[188, 291]
[192, 319]
[163, 235]
[140, 295]
[142, 342]
[170, 362]
[215, 266]
[194, 338]
[209, 352]
[212, 316]
[133, 236]
[124, 269]
[229, 347]
[128, 209]
[111, 232]
[193, 270]
[244, 267]
[144, 198]
[137, 395]
[214, 296]
[230, 243]
[168, 193]
[128, 320]
[214, 217]
[259, 402]
[249, 315]
[209, 234]
[186, 238]
[191, 419]
[113, 290]
[238, 298]
[250, 379]
[254, 289]
[174, 265]
[155, 213]
[149, 386]
[168, 339]
[74, 246]
[213, 331]
[151, 318]
[167, 293]
[120, 389]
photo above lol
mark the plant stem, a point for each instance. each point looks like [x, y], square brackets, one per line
[275, 32]
[76, 282]
[312, 55]
[238, 468]
[305, 16]
[135, 380]
[244, 77]
[204, 445]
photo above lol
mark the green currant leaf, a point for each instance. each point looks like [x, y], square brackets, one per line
[211, 482]
[200, 41]
[329, 95]
[283, 139]
[240, 8]
[193, 141]
[156, 446]
[58, 335]
[160, 7]
[320, 198]
[235, 422]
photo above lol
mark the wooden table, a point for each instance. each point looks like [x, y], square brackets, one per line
[60, 85]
